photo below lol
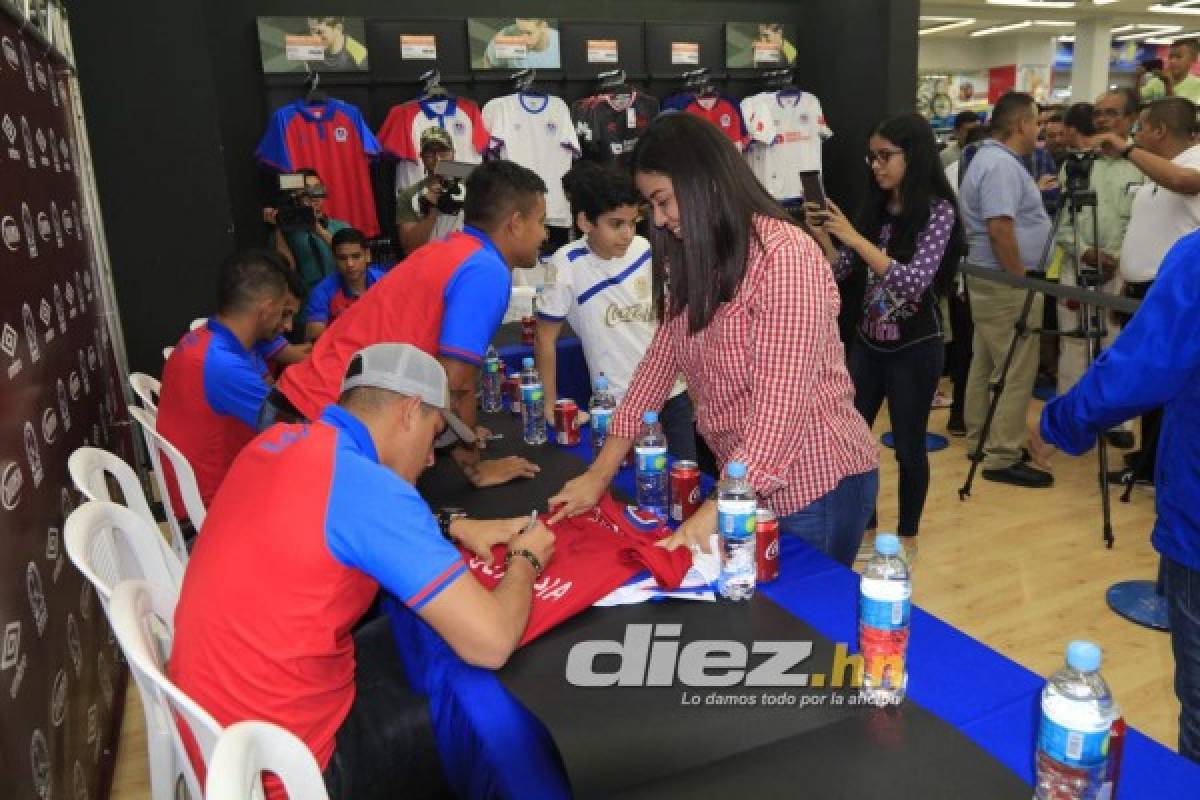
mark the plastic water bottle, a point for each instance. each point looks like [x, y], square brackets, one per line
[737, 519]
[884, 615]
[650, 449]
[533, 417]
[490, 398]
[600, 409]
[1077, 716]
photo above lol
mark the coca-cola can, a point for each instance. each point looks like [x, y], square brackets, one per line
[685, 489]
[512, 390]
[528, 329]
[566, 422]
[766, 546]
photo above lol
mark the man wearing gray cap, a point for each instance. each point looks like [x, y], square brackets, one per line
[311, 521]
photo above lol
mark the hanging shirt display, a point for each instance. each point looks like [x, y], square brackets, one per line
[401, 133]
[536, 131]
[717, 109]
[332, 138]
[609, 125]
[787, 130]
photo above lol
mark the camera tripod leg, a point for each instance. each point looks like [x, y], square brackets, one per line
[1020, 329]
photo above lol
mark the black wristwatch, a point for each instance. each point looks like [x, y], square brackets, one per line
[445, 517]
[1132, 146]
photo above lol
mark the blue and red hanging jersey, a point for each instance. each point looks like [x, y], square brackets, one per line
[212, 389]
[295, 547]
[329, 298]
[447, 298]
[720, 111]
[332, 138]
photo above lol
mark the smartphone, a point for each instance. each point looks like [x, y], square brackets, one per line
[814, 192]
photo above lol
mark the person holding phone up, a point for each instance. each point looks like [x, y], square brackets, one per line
[900, 256]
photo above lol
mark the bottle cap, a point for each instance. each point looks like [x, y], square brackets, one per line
[1083, 656]
[650, 417]
[527, 362]
[887, 544]
[735, 469]
[602, 384]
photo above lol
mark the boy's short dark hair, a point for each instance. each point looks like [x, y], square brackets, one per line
[594, 189]
[350, 236]
[498, 189]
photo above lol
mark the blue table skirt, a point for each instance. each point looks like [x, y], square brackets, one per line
[491, 746]
[572, 377]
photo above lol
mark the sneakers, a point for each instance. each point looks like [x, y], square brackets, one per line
[1020, 474]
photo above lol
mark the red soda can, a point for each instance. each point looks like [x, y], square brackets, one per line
[566, 422]
[512, 388]
[766, 546]
[685, 489]
[528, 329]
[1116, 749]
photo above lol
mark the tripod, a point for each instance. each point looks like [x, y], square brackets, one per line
[1092, 327]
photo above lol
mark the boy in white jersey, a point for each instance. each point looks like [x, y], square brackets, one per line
[601, 284]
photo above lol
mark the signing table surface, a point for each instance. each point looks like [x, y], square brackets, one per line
[967, 729]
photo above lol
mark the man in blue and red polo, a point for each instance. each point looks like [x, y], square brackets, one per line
[330, 298]
[312, 521]
[217, 377]
[447, 298]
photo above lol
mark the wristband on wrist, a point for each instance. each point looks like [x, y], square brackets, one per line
[446, 517]
[1128, 150]
[528, 556]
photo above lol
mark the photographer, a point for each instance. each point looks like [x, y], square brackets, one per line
[302, 233]
[1114, 180]
[1165, 208]
[426, 210]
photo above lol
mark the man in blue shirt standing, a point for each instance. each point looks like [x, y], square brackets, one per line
[1007, 228]
[1155, 362]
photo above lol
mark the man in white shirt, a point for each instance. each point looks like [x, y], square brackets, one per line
[423, 213]
[602, 285]
[1165, 208]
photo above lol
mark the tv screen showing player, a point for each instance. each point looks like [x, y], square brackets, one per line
[759, 45]
[312, 44]
[508, 43]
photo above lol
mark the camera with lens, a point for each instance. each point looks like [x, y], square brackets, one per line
[293, 213]
[1078, 167]
[451, 175]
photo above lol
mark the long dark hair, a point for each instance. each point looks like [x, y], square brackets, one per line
[718, 198]
[924, 183]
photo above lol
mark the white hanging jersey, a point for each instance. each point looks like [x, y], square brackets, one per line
[536, 131]
[401, 133]
[609, 303]
[786, 132]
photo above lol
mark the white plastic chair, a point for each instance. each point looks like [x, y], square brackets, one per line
[167, 352]
[248, 749]
[109, 544]
[88, 467]
[199, 322]
[140, 614]
[185, 477]
[147, 388]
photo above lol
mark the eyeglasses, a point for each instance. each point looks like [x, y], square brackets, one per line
[1111, 113]
[882, 156]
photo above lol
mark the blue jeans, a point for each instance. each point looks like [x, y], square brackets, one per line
[1182, 587]
[835, 522]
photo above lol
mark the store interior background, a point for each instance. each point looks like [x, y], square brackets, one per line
[1061, 55]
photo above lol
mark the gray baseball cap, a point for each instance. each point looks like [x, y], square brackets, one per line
[410, 371]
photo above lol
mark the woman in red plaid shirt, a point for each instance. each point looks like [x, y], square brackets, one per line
[751, 322]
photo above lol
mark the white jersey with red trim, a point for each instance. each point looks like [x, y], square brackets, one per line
[536, 131]
[401, 133]
[787, 130]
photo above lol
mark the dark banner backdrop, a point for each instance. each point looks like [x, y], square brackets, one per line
[61, 678]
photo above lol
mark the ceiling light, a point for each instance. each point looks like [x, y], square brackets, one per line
[1003, 28]
[1102, 2]
[1034, 3]
[1186, 7]
[958, 22]
[1054, 23]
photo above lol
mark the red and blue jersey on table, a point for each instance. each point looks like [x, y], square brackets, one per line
[332, 138]
[331, 296]
[447, 298]
[295, 547]
[212, 389]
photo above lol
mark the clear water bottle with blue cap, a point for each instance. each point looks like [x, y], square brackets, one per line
[533, 417]
[1073, 738]
[600, 409]
[884, 616]
[737, 520]
[492, 384]
[650, 455]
